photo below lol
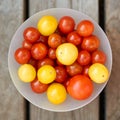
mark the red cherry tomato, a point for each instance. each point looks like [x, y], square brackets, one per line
[98, 57]
[74, 69]
[59, 32]
[38, 87]
[26, 44]
[39, 51]
[31, 34]
[85, 28]
[84, 57]
[54, 40]
[43, 39]
[90, 43]
[45, 61]
[61, 74]
[33, 62]
[73, 37]
[85, 70]
[80, 87]
[58, 62]
[52, 53]
[22, 55]
[66, 83]
[66, 24]
[64, 39]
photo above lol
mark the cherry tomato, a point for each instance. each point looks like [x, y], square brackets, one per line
[67, 53]
[46, 74]
[74, 69]
[39, 51]
[66, 83]
[31, 34]
[43, 39]
[22, 55]
[85, 28]
[56, 93]
[54, 40]
[90, 43]
[66, 24]
[52, 53]
[26, 73]
[98, 73]
[85, 70]
[26, 44]
[59, 32]
[98, 57]
[73, 37]
[58, 62]
[80, 87]
[45, 61]
[47, 25]
[38, 87]
[61, 74]
[84, 57]
[64, 39]
[33, 62]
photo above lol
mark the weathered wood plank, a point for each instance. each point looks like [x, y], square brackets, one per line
[113, 32]
[90, 111]
[11, 102]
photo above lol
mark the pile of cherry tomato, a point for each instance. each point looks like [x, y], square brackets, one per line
[58, 58]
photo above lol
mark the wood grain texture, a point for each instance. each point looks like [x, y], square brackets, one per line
[113, 32]
[11, 102]
[91, 111]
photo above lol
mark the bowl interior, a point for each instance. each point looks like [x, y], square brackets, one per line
[24, 88]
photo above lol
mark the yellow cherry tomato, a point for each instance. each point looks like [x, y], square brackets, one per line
[56, 93]
[46, 74]
[47, 25]
[26, 73]
[98, 73]
[67, 53]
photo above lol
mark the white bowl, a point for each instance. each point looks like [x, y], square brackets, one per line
[24, 88]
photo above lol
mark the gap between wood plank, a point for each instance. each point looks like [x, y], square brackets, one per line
[26, 16]
[102, 98]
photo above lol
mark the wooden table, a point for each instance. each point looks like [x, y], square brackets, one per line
[13, 106]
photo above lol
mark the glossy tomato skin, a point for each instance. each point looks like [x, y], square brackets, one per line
[90, 43]
[74, 69]
[66, 24]
[56, 93]
[84, 57]
[43, 39]
[22, 55]
[38, 87]
[52, 53]
[45, 61]
[31, 34]
[66, 83]
[54, 40]
[74, 37]
[80, 87]
[47, 25]
[85, 28]
[39, 51]
[85, 70]
[26, 44]
[46, 74]
[61, 74]
[98, 56]
[33, 62]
